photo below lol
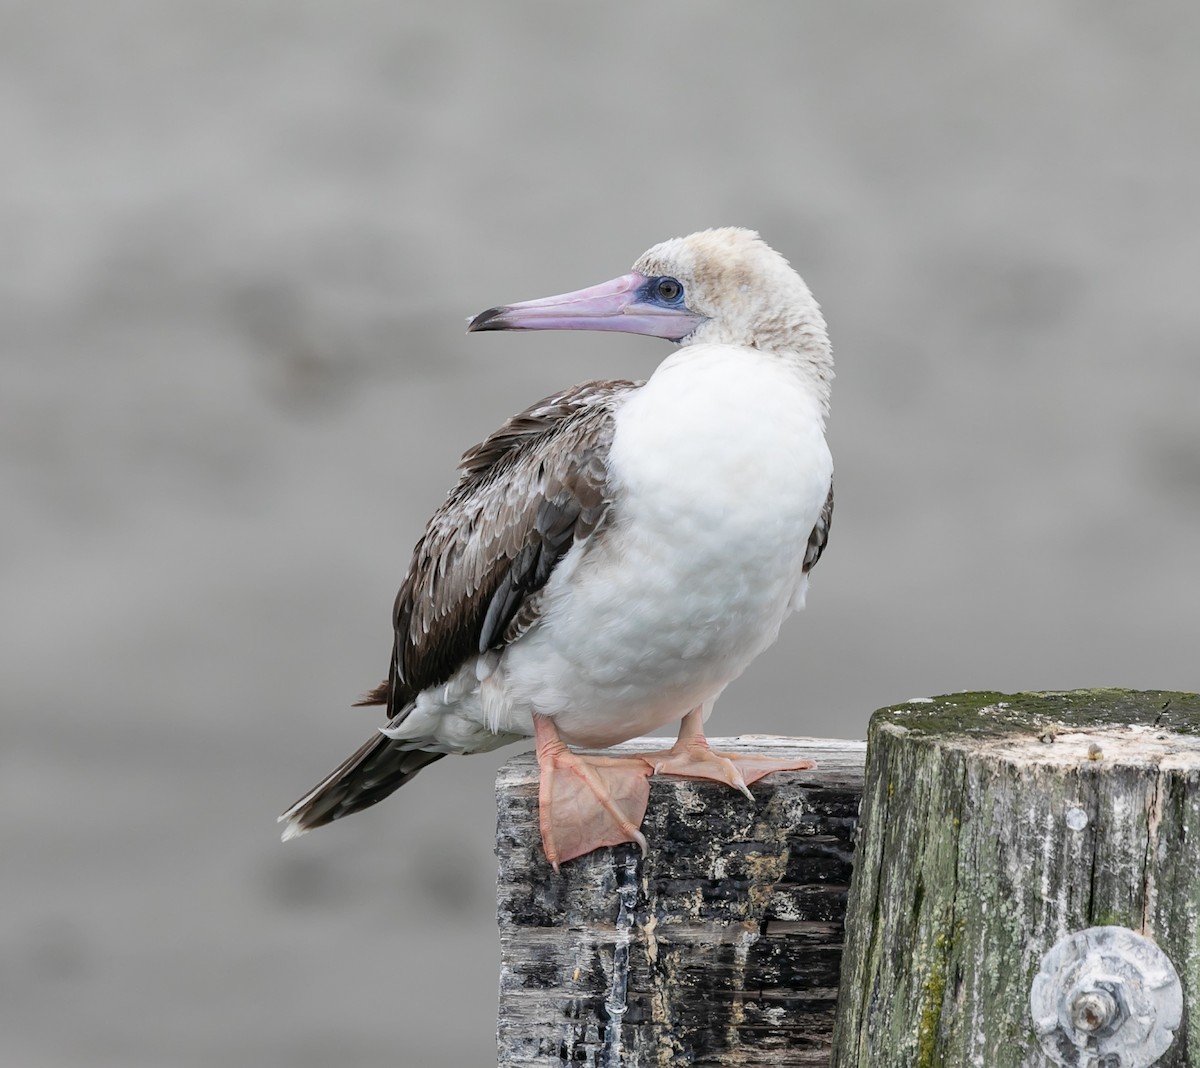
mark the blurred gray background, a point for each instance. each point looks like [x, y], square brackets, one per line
[240, 241]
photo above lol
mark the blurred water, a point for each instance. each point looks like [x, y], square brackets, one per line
[241, 240]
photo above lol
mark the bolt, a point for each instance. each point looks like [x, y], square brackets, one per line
[1093, 1010]
[1077, 819]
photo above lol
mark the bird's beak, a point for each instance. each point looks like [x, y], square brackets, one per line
[621, 304]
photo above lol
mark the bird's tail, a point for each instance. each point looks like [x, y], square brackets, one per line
[379, 768]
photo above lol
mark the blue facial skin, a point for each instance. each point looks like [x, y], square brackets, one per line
[662, 291]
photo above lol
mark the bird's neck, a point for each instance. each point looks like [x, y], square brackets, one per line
[796, 336]
[803, 351]
[811, 372]
[813, 362]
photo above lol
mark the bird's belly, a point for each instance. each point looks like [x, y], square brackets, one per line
[642, 647]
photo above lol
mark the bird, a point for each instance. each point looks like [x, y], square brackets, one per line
[616, 554]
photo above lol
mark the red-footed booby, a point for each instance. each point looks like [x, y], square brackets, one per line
[615, 555]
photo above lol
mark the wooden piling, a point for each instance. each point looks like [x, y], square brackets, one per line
[721, 947]
[994, 826]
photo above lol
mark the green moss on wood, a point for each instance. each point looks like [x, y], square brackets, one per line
[1108, 918]
[933, 999]
[931, 1016]
[989, 714]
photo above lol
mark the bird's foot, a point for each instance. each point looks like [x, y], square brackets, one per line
[691, 757]
[585, 803]
[739, 770]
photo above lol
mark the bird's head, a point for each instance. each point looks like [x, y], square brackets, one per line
[724, 286]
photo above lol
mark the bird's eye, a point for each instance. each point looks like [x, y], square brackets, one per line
[668, 289]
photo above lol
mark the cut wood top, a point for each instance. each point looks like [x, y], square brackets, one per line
[1057, 727]
[838, 760]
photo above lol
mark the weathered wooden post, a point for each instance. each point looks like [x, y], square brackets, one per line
[719, 948]
[1027, 846]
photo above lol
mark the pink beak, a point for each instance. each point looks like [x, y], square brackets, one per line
[625, 304]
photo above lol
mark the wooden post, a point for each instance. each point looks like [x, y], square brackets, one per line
[721, 947]
[993, 828]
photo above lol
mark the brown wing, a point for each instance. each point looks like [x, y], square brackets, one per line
[524, 497]
[820, 533]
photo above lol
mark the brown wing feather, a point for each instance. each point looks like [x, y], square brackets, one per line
[819, 537]
[524, 496]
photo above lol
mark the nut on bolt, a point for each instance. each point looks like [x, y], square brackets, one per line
[1095, 1010]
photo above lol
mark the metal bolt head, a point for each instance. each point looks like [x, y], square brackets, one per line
[1093, 1010]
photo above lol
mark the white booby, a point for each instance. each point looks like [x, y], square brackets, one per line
[615, 555]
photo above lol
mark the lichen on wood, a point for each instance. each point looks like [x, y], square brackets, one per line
[721, 947]
[992, 826]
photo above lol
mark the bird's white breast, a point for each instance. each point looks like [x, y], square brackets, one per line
[718, 471]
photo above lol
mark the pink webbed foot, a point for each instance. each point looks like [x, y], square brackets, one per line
[691, 757]
[586, 802]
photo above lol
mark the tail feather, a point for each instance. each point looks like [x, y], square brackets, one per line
[377, 769]
[377, 696]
